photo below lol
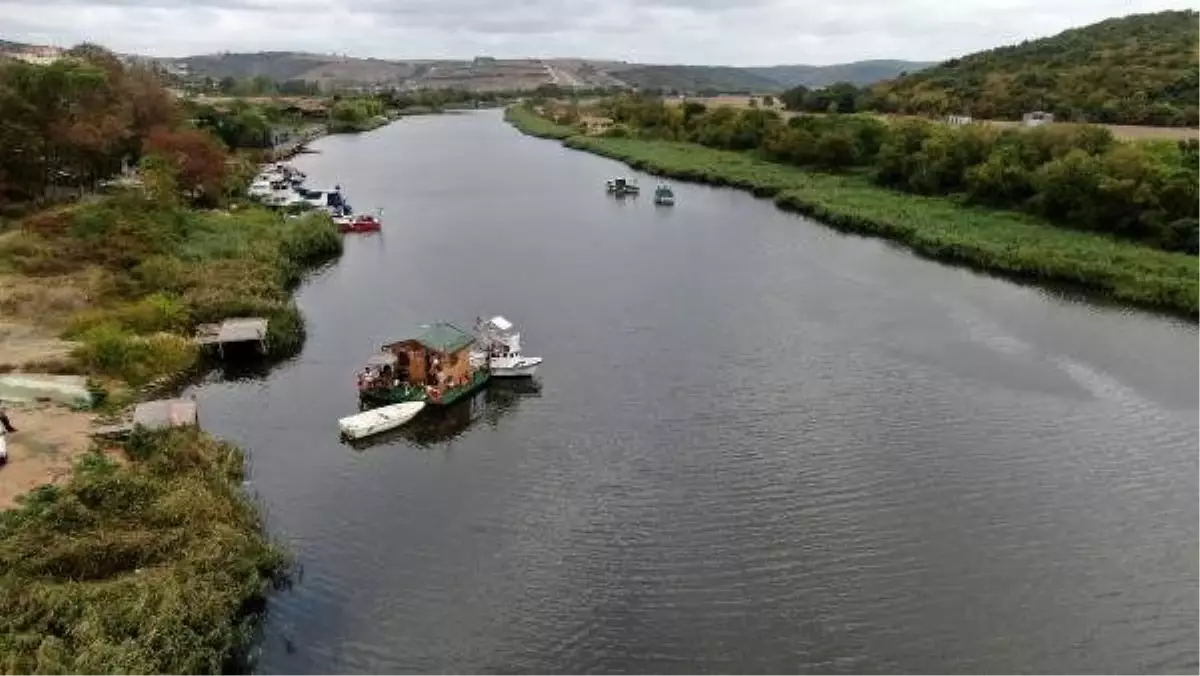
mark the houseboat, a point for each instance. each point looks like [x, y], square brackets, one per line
[621, 187]
[435, 367]
[664, 196]
[499, 346]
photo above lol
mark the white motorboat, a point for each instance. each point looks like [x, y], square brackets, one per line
[502, 349]
[379, 420]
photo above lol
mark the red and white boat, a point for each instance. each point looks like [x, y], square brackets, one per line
[358, 223]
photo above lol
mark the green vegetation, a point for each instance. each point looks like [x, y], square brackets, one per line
[945, 228]
[1074, 175]
[1139, 69]
[529, 122]
[356, 115]
[68, 125]
[157, 563]
[161, 269]
[152, 559]
[155, 560]
[243, 125]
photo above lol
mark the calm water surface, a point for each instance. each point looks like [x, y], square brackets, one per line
[756, 445]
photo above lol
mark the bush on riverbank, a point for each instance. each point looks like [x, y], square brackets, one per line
[523, 117]
[356, 115]
[156, 563]
[166, 269]
[941, 228]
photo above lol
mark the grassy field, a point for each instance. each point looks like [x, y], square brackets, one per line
[998, 241]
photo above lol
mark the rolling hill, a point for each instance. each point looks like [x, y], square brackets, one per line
[858, 73]
[487, 73]
[721, 79]
[1138, 69]
[484, 73]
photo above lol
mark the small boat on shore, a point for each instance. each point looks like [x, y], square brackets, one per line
[664, 196]
[379, 420]
[433, 366]
[620, 187]
[500, 347]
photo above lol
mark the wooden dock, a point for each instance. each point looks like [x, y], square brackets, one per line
[234, 331]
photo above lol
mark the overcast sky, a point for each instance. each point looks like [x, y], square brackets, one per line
[734, 32]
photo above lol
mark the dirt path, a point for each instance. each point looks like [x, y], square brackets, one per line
[32, 312]
[48, 440]
[49, 437]
[24, 347]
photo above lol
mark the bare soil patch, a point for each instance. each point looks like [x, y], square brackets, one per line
[48, 441]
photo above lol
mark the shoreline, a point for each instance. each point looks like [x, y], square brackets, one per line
[188, 551]
[1002, 243]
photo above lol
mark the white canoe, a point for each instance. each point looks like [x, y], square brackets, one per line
[379, 419]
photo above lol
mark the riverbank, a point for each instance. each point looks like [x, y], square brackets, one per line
[147, 556]
[1001, 242]
[149, 560]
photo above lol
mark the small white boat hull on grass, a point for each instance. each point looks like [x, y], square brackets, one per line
[379, 420]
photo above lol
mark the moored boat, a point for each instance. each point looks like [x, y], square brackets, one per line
[379, 420]
[664, 195]
[499, 346]
[621, 187]
[358, 223]
[435, 367]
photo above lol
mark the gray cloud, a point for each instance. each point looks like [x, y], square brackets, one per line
[736, 32]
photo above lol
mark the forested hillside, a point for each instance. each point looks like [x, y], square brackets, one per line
[1139, 69]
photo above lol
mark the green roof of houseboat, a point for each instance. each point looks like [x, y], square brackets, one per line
[444, 337]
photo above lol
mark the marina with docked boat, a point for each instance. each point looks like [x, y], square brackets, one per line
[281, 186]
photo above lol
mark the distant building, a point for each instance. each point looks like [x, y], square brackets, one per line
[1036, 118]
[958, 119]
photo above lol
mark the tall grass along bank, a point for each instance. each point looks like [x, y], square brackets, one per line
[150, 561]
[1004, 242]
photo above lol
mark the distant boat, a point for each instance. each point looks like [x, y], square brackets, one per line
[664, 196]
[379, 420]
[621, 187]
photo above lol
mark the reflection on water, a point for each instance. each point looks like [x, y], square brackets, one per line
[437, 425]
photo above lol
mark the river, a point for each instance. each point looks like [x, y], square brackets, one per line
[756, 445]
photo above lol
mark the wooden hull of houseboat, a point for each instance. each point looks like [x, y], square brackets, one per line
[385, 396]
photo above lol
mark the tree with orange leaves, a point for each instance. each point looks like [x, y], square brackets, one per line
[197, 158]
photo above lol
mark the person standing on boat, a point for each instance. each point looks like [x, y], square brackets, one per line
[5, 427]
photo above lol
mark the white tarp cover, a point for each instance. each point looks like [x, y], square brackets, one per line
[29, 387]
